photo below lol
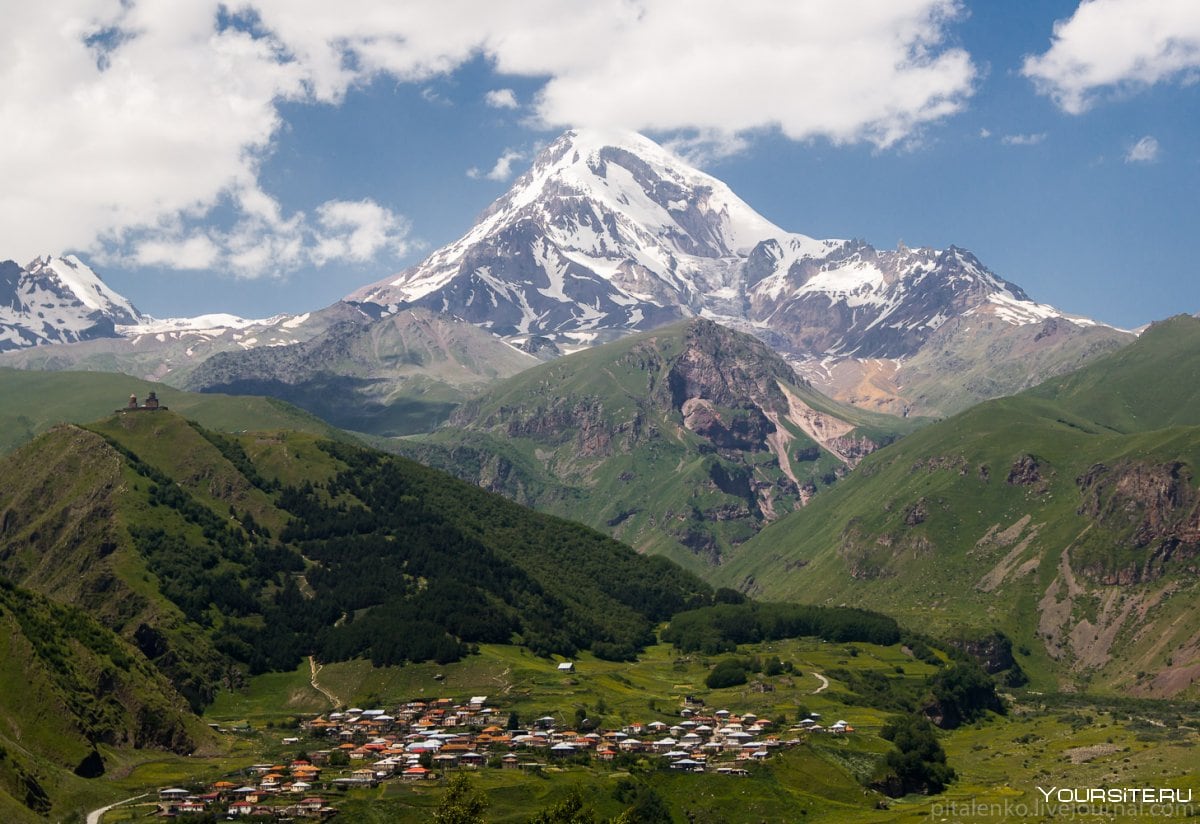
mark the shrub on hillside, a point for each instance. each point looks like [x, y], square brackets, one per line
[917, 764]
[728, 672]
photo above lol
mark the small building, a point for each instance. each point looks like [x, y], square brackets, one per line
[566, 666]
[563, 750]
[416, 773]
[151, 404]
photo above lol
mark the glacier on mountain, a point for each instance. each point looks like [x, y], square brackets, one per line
[608, 232]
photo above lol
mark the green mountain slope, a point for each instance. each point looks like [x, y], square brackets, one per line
[1067, 516]
[1138, 388]
[204, 558]
[209, 552]
[32, 402]
[684, 441]
[70, 690]
[388, 375]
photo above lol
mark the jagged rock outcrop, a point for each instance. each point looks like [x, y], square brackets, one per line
[1154, 511]
[692, 437]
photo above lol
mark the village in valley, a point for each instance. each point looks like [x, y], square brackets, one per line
[423, 741]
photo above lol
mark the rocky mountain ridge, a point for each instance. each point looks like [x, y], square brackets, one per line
[609, 233]
[390, 375]
[685, 440]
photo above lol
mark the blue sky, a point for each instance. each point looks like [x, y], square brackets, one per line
[273, 155]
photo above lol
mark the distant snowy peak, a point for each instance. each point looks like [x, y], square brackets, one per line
[85, 285]
[628, 175]
[62, 300]
[606, 232]
[609, 232]
[57, 300]
[611, 201]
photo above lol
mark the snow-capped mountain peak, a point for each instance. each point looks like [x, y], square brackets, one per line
[62, 300]
[634, 176]
[606, 232]
[609, 232]
[57, 300]
[85, 285]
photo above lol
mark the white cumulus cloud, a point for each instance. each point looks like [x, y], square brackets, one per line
[1117, 45]
[823, 68]
[358, 231]
[1144, 151]
[501, 99]
[262, 240]
[130, 124]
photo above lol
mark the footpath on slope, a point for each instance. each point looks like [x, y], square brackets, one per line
[95, 816]
[314, 668]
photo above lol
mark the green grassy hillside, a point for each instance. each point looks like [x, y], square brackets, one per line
[683, 441]
[71, 692]
[32, 402]
[981, 357]
[215, 557]
[1066, 516]
[209, 550]
[1153, 385]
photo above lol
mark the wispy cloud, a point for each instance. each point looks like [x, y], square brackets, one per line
[264, 241]
[1023, 139]
[503, 168]
[431, 95]
[1144, 151]
[704, 147]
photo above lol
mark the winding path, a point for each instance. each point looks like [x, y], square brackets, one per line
[95, 816]
[824, 683]
[314, 668]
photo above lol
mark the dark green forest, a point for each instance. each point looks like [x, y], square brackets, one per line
[721, 627]
[393, 562]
